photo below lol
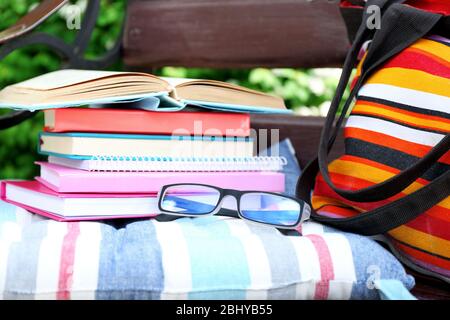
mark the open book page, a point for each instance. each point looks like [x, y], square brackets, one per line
[75, 87]
[70, 87]
[212, 91]
[72, 77]
[63, 78]
[175, 82]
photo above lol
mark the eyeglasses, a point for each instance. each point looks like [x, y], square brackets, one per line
[194, 200]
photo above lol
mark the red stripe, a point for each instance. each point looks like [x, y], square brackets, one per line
[422, 256]
[410, 59]
[67, 261]
[326, 267]
[437, 6]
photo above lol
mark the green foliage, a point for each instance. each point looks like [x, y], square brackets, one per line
[306, 91]
[18, 145]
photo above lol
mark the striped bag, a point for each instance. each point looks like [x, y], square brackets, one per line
[394, 178]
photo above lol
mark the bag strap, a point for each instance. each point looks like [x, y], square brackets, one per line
[410, 25]
[306, 182]
[396, 213]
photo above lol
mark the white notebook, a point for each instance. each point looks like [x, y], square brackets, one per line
[167, 164]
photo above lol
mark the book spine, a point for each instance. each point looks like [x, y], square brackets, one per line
[148, 122]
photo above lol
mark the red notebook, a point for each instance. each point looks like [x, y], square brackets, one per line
[181, 123]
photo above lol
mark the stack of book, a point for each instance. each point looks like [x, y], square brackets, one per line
[111, 162]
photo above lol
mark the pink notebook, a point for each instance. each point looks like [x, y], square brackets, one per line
[37, 198]
[64, 179]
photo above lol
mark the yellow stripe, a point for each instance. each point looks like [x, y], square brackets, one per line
[375, 175]
[412, 79]
[359, 67]
[361, 107]
[320, 201]
[432, 47]
[422, 240]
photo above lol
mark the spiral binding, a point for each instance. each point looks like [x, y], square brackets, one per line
[168, 164]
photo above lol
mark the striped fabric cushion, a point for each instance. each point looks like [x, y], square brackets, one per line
[402, 111]
[206, 258]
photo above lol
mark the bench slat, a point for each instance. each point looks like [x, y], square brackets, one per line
[304, 133]
[234, 33]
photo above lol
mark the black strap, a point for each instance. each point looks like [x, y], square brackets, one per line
[401, 26]
[396, 213]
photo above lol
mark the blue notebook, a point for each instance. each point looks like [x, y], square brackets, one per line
[70, 88]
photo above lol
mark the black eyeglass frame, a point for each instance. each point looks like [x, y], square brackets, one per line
[305, 209]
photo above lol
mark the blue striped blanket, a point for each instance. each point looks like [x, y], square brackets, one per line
[205, 258]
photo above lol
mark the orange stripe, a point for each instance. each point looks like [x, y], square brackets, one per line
[378, 165]
[422, 256]
[423, 240]
[369, 163]
[414, 149]
[417, 122]
[405, 112]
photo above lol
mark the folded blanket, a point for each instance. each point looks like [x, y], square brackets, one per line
[204, 258]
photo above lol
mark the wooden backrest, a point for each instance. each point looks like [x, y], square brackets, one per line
[234, 33]
[241, 33]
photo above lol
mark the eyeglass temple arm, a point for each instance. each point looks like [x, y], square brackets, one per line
[222, 212]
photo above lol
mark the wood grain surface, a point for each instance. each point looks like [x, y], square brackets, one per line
[234, 33]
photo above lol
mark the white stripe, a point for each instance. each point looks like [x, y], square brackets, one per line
[47, 275]
[343, 266]
[309, 266]
[311, 227]
[10, 232]
[175, 260]
[395, 130]
[257, 260]
[413, 98]
[86, 263]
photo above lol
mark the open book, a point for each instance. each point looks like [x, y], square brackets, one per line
[66, 88]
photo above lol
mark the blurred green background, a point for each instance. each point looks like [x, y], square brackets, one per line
[307, 92]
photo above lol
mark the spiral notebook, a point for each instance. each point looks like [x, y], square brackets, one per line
[168, 164]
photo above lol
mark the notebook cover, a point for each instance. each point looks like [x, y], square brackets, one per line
[73, 180]
[230, 140]
[150, 122]
[37, 187]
